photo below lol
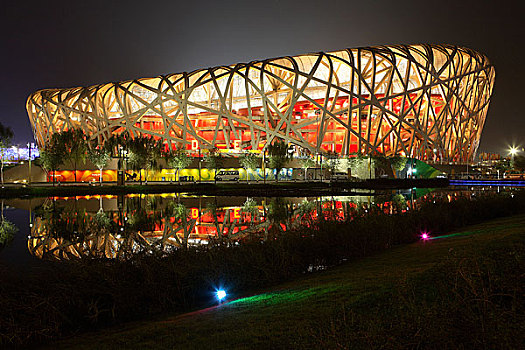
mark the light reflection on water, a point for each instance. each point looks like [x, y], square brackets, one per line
[117, 227]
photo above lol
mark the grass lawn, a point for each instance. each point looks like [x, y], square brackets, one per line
[330, 309]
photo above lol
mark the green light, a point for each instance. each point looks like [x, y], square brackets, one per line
[282, 296]
[468, 233]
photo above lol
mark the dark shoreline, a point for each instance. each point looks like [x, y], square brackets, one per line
[225, 189]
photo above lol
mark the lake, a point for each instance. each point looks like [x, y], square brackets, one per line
[118, 227]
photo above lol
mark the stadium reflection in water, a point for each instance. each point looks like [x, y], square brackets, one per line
[119, 227]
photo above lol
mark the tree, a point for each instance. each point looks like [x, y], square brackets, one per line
[137, 162]
[519, 163]
[99, 156]
[503, 165]
[381, 163]
[250, 207]
[182, 218]
[278, 214]
[214, 160]
[249, 161]
[6, 137]
[398, 164]
[307, 163]
[213, 210]
[51, 157]
[357, 164]
[7, 229]
[117, 146]
[75, 146]
[278, 153]
[7, 232]
[332, 161]
[145, 153]
[399, 202]
[70, 144]
[178, 160]
[305, 212]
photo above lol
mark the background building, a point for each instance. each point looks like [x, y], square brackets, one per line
[422, 101]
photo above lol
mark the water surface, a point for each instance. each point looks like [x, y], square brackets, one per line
[118, 227]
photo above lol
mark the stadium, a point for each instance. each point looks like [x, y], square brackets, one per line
[423, 101]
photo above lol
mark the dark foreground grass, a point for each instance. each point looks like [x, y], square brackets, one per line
[460, 292]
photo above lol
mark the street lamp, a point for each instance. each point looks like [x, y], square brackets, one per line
[321, 161]
[29, 172]
[200, 165]
[513, 151]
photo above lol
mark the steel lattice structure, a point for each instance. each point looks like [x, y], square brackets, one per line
[424, 101]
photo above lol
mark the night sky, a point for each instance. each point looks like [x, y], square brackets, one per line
[77, 43]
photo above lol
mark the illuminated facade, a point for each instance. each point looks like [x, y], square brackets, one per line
[424, 101]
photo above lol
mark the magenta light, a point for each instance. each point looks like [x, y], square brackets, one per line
[424, 236]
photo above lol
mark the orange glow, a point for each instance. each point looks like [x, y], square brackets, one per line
[83, 175]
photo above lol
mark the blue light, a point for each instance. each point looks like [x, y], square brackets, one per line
[221, 294]
[16, 154]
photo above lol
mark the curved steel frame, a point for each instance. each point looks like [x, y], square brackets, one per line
[424, 101]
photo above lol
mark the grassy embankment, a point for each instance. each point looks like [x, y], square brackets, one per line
[224, 188]
[461, 291]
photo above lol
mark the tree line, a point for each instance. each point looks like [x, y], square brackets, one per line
[147, 153]
[144, 152]
[140, 153]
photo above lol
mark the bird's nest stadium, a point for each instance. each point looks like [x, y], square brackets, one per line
[422, 101]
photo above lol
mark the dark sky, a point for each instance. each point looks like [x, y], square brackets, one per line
[76, 43]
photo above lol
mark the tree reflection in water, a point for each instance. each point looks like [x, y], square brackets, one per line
[157, 224]
[7, 229]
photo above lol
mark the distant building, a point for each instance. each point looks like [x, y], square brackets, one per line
[15, 153]
[423, 101]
